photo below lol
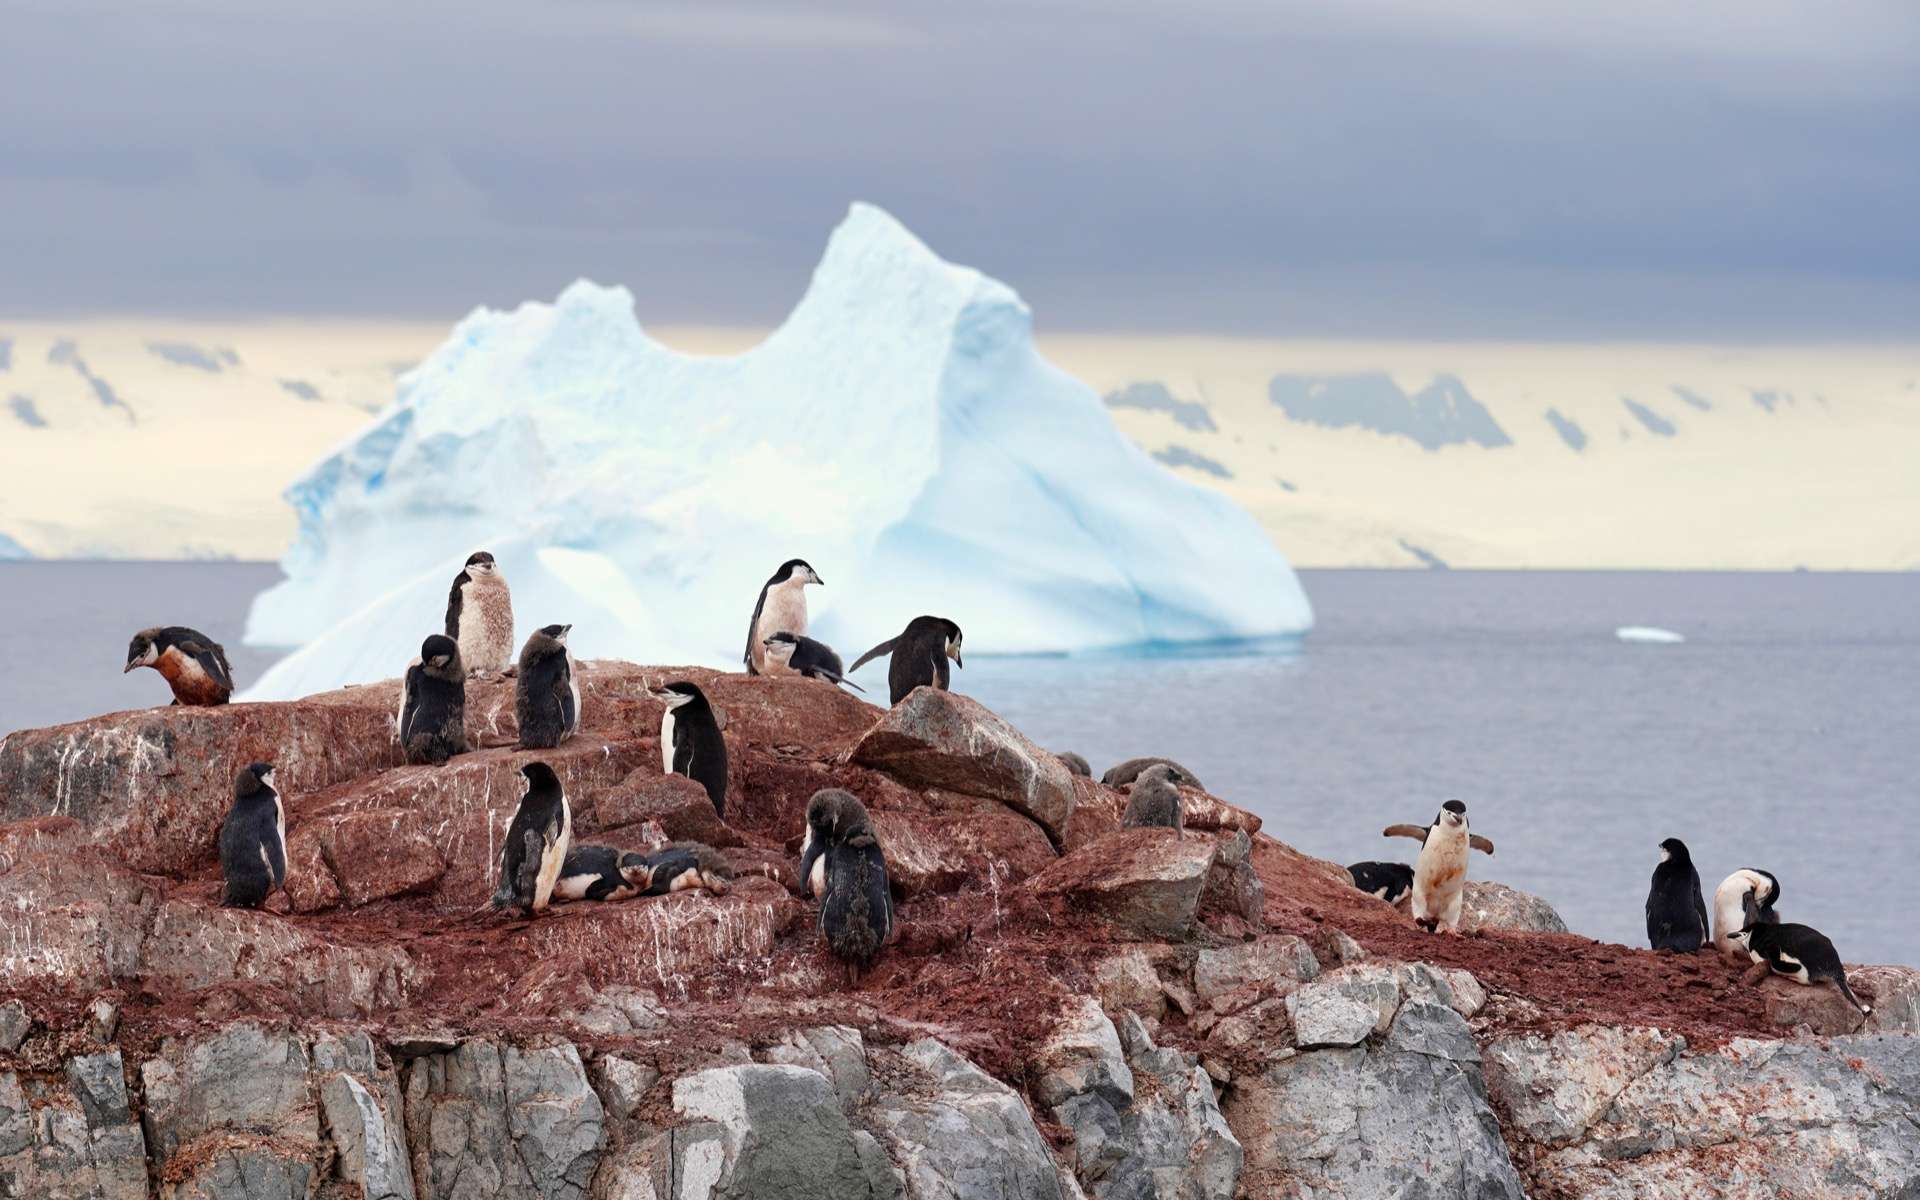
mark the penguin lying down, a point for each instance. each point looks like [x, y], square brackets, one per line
[604, 873]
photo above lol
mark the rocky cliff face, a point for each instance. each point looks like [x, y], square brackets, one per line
[1069, 1010]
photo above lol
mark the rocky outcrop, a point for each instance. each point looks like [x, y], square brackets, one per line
[74, 1136]
[1146, 880]
[1497, 906]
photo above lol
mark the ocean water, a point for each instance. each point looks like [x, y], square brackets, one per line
[1781, 734]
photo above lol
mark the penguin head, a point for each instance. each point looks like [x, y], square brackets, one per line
[673, 695]
[834, 814]
[1452, 813]
[255, 777]
[481, 563]
[557, 632]
[540, 779]
[953, 641]
[144, 650]
[796, 569]
[439, 651]
[1674, 850]
[780, 646]
[1163, 772]
[636, 870]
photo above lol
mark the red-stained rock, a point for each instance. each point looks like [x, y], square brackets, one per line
[196, 945]
[1148, 880]
[1097, 810]
[1893, 993]
[972, 841]
[936, 739]
[1198, 810]
[680, 806]
[369, 854]
[71, 914]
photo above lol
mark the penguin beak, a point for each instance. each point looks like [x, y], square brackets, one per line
[131, 664]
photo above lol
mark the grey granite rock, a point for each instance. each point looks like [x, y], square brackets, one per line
[960, 1134]
[764, 1130]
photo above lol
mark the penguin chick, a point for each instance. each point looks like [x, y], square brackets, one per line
[1676, 915]
[781, 608]
[480, 616]
[547, 693]
[1122, 774]
[253, 839]
[1390, 881]
[1075, 764]
[602, 873]
[1730, 911]
[691, 742]
[797, 654]
[1155, 800]
[193, 664]
[920, 655]
[684, 866]
[1440, 873]
[535, 848]
[432, 721]
[856, 906]
[1800, 952]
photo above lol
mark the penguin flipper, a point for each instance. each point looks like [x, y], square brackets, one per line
[277, 861]
[212, 660]
[563, 685]
[1416, 832]
[885, 647]
[1479, 843]
[753, 629]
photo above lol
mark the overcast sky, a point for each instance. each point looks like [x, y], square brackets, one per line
[1717, 169]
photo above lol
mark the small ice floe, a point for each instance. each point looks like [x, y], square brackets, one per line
[1648, 633]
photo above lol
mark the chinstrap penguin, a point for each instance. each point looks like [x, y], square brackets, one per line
[1730, 907]
[536, 843]
[1800, 952]
[1155, 800]
[856, 901]
[920, 655]
[253, 839]
[1440, 873]
[1390, 881]
[1122, 774]
[604, 873]
[781, 608]
[480, 616]
[797, 654]
[194, 665]
[1676, 915]
[432, 721]
[691, 740]
[547, 694]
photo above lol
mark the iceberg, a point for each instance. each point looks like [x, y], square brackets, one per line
[899, 431]
[1649, 634]
[12, 551]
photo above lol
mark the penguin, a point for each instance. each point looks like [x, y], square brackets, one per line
[547, 694]
[690, 740]
[604, 873]
[1440, 873]
[781, 608]
[253, 839]
[480, 616]
[1390, 881]
[195, 666]
[536, 844]
[1676, 915]
[920, 655]
[796, 653]
[432, 721]
[1155, 800]
[1801, 953]
[1075, 764]
[1729, 907]
[856, 900]
[1122, 774]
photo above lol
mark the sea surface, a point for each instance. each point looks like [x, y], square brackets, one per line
[1782, 733]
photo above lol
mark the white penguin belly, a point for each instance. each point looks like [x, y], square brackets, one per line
[556, 855]
[666, 742]
[1440, 878]
[573, 887]
[785, 611]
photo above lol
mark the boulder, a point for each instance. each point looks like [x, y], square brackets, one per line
[957, 1133]
[1393, 1119]
[1274, 964]
[1893, 993]
[1129, 979]
[1146, 880]
[1497, 906]
[680, 806]
[758, 1130]
[969, 842]
[367, 855]
[492, 1120]
[939, 739]
[1232, 885]
[1344, 1007]
[1083, 1057]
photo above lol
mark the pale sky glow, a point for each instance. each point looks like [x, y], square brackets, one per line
[1378, 168]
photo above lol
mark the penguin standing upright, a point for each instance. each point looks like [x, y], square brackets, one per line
[1800, 952]
[1676, 915]
[781, 608]
[1440, 873]
[691, 742]
[856, 902]
[1730, 907]
[1155, 800]
[547, 694]
[536, 843]
[797, 654]
[432, 722]
[480, 616]
[193, 664]
[253, 839]
[920, 655]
